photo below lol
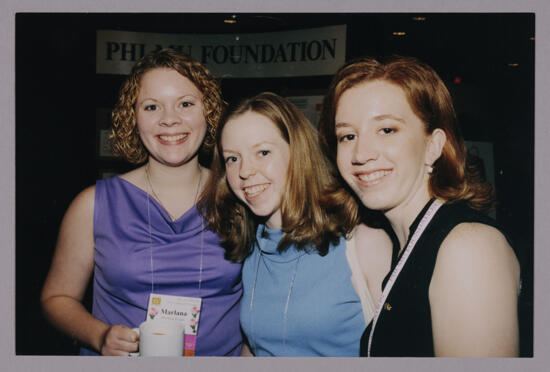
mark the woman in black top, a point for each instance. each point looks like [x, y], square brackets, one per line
[453, 279]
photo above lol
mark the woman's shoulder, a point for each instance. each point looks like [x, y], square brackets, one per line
[477, 247]
[135, 177]
[81, 209]
[365, 235]
[468, 227]
[130, 181]
[370, 246]
[471, 232]
[458, 212]
[457, 219]
[85, 198]
[474, 237]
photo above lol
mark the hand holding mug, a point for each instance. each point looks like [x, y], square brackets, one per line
[160, 337]
[119, 340]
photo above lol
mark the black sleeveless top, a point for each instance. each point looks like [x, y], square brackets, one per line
[404, 327]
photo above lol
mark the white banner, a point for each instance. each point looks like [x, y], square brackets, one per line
[315, 51]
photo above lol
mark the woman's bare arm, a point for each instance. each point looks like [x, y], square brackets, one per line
[374, 250]
[473, 294]
[68, 278]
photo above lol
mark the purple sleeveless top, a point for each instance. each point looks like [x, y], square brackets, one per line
[122, 272]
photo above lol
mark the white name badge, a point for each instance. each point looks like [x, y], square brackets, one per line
[185, 309]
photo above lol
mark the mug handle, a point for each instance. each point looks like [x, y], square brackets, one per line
[137, 352]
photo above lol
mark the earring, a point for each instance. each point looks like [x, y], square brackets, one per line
[429, 169]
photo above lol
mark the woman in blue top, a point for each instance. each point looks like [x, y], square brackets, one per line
[277, 205]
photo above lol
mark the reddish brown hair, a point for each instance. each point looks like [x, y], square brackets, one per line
[430, 100]
[125, 140]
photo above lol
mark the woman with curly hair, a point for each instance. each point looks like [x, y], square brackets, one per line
[141, 232]
[451, 289]
[276, 204]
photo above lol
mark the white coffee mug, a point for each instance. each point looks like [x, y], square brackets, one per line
[160, 337]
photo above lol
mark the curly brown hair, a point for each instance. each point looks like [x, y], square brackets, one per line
[310, 217]
[124, 138]
[452, 179]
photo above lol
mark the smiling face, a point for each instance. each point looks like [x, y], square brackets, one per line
[256, 160]
[383, 147]
[170, 117]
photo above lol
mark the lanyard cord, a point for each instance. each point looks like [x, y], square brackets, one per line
[202, 248]
[285, 312]
[150, 188]
[417, 233]
[150, 246]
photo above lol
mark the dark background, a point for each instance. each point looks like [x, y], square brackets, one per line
[58, 93]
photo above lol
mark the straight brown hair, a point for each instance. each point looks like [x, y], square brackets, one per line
[313, 215]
